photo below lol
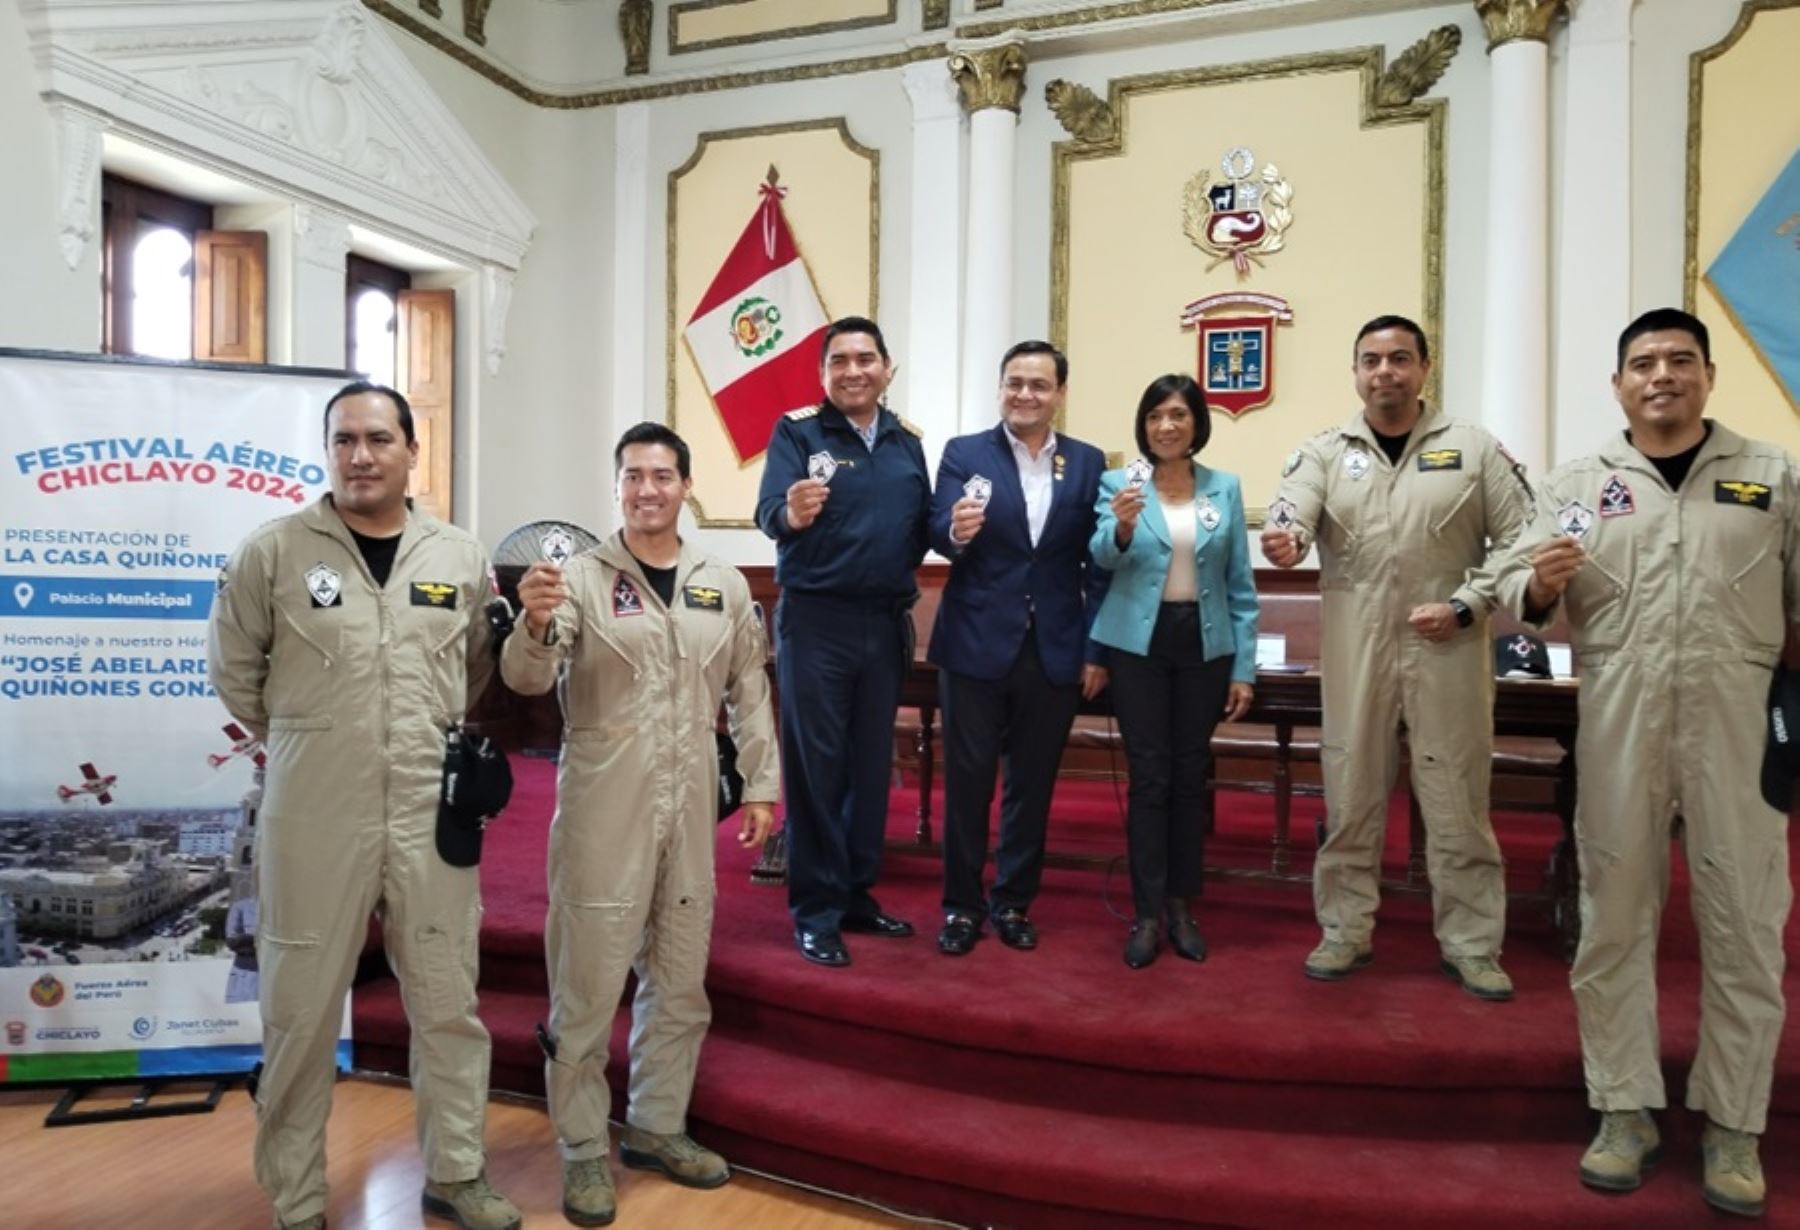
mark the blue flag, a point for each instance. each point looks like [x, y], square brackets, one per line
[1757, 277]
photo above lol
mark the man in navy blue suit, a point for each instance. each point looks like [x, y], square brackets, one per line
[1013, 511]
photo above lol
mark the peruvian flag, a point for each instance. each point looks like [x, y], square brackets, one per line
[756, 334]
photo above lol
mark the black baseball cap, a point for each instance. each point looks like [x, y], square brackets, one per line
[1520, 655]
[1781, 752]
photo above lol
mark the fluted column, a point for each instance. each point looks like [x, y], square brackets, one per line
[934, 327]
[1593, 241]
[990, 74]
[1516, 349]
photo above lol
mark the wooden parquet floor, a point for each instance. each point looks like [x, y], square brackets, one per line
[192, 1172]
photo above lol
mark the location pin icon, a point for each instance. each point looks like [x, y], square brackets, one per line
[24, 594]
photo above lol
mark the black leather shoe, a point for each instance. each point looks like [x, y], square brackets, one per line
[884, 925]
[821, 947]
[1186, 940]
[1184, 935]
[1014, 929]
[958, 937]
[1140, 949]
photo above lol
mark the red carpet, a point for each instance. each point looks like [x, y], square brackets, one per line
[1060, 1089]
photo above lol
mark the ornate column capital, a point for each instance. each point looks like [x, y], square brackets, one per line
[989, 74]
[322, 237]
[1511, 21]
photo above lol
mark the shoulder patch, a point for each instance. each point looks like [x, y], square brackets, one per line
[912, 428]
[804, 412]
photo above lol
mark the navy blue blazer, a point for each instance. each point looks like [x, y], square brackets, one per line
[999, 580]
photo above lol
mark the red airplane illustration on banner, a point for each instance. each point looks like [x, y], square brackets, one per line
[242, 744]
[97, 784]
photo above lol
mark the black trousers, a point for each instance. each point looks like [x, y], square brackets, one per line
[1019, 722]
[1168, 702]
[839, 663]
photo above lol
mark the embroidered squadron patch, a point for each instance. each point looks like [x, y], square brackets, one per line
[626, 599]
[557, 544]
[1138, 473]
[979, 489]
[703, 598]
[1615, 498]
[325, 585]
[1357, 463]
[223, 580]
[1441, 459]
[821, 466]
[433, 593]
[1208, 514]
[1291, 464]
[1745, 495]
[1281, 514]
[1575, 519]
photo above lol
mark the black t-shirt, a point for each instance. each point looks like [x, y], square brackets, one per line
[378, 554]
[1674, 470]
[1393, 446]
[662, 580]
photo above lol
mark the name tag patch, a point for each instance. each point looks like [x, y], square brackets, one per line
[703, 598]
[433, 593]
[1441, 459]
[1745, 495]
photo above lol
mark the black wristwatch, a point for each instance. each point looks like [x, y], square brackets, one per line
[1464, 616]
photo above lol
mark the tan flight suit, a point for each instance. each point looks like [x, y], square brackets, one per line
[352, 689]
[1393, 537]
[631, 847]
[1677, 618]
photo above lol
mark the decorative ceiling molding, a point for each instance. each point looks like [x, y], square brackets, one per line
[310, 99]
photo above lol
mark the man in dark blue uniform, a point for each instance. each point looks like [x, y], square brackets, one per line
[845, 495]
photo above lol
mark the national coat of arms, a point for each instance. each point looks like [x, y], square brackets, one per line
[1240, 217]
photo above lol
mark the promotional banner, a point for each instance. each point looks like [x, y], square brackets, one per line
[128, 797]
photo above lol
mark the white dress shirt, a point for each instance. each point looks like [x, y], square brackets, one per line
[1036, 474]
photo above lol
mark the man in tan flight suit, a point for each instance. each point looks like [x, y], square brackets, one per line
[642, 636]
[1406, 506]
[1675, 553]
[349, 637]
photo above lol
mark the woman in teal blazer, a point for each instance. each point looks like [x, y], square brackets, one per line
[1179, 623]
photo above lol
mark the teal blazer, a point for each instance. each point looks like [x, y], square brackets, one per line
[1222, 571]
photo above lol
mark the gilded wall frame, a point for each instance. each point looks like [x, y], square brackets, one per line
[1690, 269]
[676, 11]
[1369, 62]
[673, 349]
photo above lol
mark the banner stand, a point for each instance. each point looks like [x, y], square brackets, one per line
[149, 1103]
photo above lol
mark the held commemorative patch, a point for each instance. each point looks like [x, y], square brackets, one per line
[433, 593]
[703, 598]
[1441, 459]
[1745, 495]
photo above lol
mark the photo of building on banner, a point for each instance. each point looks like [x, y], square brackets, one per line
[128, 796]
[756, 333]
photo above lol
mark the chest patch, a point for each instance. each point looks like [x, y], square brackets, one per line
[1441, 459]
[1745, 495]
[325, 585]
[703, 598]
[433, 593]
[626, 599]
[1615, 498]
[1575, 519]
[1357, 463]
[1208, 514]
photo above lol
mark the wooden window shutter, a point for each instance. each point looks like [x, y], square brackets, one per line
[231, 294]
[425, 370]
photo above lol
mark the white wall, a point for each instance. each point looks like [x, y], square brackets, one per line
[43, 304]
